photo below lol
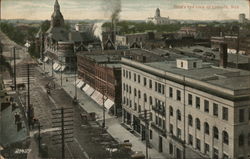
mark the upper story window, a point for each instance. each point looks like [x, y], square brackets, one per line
[190, 120]
[150, 100]
[134, 77]
[206, 106]
[170, 92]
[129, 75]
[225, 137]
[145, 97]
[126, 74]
[139, 79]
[123, 73]
[139, 94]
[150, 84]
[135, 91]
[171, 111]
[145, 81]
[215, 109]
[241, 140]
[198, 123]
[190, 99]
[216, 132]
[198, 102]
[178, 95]
[206, 128]
[194, 65]
[241, 115]
[225, 113]
[178, 114]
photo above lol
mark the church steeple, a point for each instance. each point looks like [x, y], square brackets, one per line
[56, 6]
[57, 19]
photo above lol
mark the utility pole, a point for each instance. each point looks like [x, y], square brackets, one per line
[61, 76]
[103, 108]
[14, 54]
[75, 83]
[39, 137]
[28, 78]
[65, 124]
[146, 117]
[52, 68]
[104, 91]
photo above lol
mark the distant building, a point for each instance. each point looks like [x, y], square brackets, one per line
[136, 40]
[242, 18]
[232, 42]
[158, 20]
[60, 45]
[83, 27]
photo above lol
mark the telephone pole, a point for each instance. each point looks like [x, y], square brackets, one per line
[62, 119]
[146, 117]
[52, 68]
[14, 71]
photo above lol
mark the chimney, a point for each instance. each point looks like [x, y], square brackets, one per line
[223, 55]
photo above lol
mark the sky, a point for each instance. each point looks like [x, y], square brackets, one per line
[130, 9]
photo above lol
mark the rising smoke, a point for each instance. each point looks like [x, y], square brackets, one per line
[97, 30]
[112, 9]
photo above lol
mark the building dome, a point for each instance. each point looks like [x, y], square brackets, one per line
[157, 13]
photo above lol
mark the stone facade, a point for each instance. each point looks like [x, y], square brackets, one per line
[189, 117]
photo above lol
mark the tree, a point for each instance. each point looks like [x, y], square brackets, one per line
[45, 26]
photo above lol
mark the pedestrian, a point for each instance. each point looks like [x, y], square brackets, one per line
[15, 117]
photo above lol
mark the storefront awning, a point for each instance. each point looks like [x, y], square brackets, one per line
[90, 90]
[55, 65]
[80, 84]
[45, 59]
[77, 81]
[85, 88]
[100, 99]
[94, 95]
[108, 104]
[58, 68]
[62, 68]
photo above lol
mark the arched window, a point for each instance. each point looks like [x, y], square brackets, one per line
[190, 120]
[178, 114]
[206, 128]
[225, 137]
[171, 111]
[241, 140]
[216, 132]
[198, 123]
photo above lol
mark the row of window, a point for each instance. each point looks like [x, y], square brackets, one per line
[206, 148]
[207, 129]
[160, 88]
[207, 108]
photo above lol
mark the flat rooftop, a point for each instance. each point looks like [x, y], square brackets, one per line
[233, 79]
[141, 55]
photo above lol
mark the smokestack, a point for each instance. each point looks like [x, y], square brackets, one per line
[223, 55]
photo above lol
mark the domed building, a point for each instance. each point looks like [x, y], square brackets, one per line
[158, 20]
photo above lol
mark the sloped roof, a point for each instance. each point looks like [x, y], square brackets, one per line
[58, 33]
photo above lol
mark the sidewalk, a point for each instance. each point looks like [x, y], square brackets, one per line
[113, 124]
